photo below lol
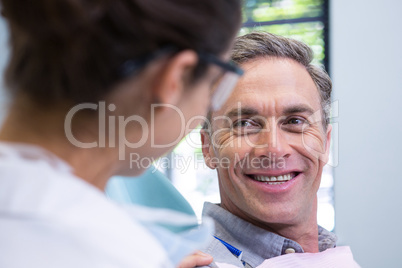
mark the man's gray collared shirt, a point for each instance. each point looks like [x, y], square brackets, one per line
[255, 243]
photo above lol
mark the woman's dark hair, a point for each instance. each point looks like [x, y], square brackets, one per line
[74, 49]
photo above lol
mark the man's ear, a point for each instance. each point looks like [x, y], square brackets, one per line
[325, 156]
[174, 77]
[207, 149]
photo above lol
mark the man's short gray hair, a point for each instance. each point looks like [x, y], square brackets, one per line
[263, 44]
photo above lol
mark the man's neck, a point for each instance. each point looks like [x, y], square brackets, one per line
[306, 235]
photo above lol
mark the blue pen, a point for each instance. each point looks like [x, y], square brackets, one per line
[238, 253]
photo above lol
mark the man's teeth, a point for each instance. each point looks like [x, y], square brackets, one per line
[274, 180]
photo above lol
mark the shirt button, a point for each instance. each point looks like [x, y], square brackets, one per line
[290, 250]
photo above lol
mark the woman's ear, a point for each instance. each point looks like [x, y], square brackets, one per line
[208, 150]
[174, 77]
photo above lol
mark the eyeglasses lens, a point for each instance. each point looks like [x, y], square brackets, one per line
[223, 90]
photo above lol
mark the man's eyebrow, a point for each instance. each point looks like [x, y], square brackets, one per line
[242, 111]
[300, 108]
[249, 111]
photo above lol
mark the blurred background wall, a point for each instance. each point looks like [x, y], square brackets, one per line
[366, 56]
[3, 61]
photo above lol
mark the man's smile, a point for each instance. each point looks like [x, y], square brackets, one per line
[273, 180]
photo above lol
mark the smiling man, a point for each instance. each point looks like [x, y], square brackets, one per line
[269, 143]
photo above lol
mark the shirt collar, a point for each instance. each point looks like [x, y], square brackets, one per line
[326, 239]
[256, 243]
[23, 151]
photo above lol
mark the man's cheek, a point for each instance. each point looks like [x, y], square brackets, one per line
[314, 144]
[238, 150]
[222, 140]
[225, 162]
[229, 160]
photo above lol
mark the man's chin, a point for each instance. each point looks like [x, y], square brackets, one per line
[277, 217]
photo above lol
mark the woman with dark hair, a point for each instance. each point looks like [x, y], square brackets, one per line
[94, 85]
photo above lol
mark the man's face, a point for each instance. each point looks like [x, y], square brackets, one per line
[271, 144]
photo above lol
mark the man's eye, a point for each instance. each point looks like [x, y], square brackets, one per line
[245, 126]
[295, 124]
[242, 123]
[295, 121]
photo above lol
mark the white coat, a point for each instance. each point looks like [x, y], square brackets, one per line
[51, 218]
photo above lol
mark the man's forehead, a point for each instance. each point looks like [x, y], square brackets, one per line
[271, 83]
[252, 110]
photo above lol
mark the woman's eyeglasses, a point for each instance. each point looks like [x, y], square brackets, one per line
[226, 83]
[222, 91]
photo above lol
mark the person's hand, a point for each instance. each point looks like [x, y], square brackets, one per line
[197, 259]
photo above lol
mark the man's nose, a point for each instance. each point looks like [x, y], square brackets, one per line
[272, 141]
